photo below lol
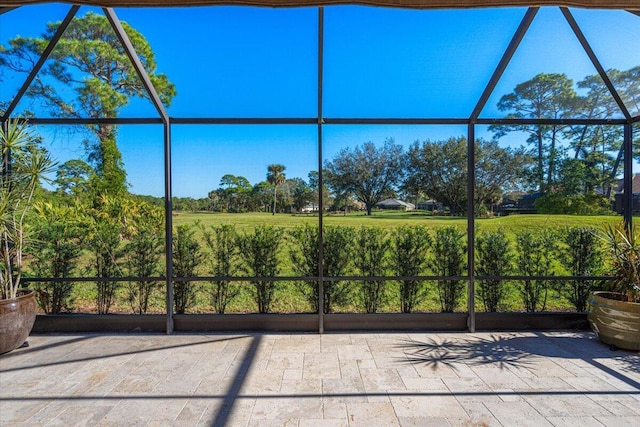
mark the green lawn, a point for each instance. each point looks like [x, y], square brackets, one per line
[389, 219]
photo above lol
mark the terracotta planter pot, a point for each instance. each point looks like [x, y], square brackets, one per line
[616, 321]
[16, 320]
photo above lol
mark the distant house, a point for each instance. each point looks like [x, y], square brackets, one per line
[518, 202]
[429, 205]
[395, 204]
[310, 208]
[619, 195]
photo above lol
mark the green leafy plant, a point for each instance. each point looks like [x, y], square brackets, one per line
[581, 256]
[108, 224]
[337, 256]
[623, 245]
[409, 258]
[56, 253]
[493, 258]
[370, 259]
[534, 258]
[24, 165]
[337, 252]
[187, 256]
[259, 252]
[142, 258]
[104, 243]
[223, 262]
[449, 251]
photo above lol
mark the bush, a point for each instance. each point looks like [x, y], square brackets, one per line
[409, 250]
[143, 252]
[337, 251]
[223, 262]
[493, 258]
[56, 252]
[370, 259]
[259, 252]
[582, 256]
[573, 204]
[187, 256]
[104, 244]
[534, 258]
[143, 255]
[449, 252]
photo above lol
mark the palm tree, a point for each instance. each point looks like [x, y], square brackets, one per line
[275, 176]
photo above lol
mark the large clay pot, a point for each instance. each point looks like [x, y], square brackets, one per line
[615, 320]
[17, 317]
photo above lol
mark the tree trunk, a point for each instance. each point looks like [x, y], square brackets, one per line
[540, 162]
[275, 189]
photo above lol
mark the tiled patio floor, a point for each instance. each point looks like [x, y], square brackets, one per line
[369, 379]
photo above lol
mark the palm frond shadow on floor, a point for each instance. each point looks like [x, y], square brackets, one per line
[518, 350]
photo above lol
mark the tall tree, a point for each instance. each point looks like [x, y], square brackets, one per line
[72, 177]
[275, 177]
[314, 184]
[368, 172]
[628, 84]
[592, 144]
[301, 193]
[261, 196]
[89, 76]
[234, 193]
[439, 169]
[546, 96]
[498, 170]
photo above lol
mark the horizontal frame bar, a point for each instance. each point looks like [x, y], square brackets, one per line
[306, 278]
[327, 121]
[307, 322]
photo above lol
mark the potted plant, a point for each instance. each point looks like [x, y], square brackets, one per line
[24, 164]
[615, 314]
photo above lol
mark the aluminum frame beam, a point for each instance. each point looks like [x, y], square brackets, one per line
[595, 61]
[325, 121]
[504, 61]
[137, 64]
[320, 173]
[43, 57]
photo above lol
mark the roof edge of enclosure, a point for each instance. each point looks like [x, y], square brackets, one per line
[407, 4]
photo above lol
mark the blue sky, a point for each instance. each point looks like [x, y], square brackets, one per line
[258, 62]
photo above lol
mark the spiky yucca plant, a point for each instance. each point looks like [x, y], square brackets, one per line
[623, 244]
[24, 165]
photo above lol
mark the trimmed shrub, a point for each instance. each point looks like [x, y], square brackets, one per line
[57, 249]
[449, 252]
[142, 258]
[107, 255]
[534, 258]
[337, 251]
[187, 256]
[409, 258]
[370, 259]
[223, 262]
[259, 252]
[582, 256]
[493, 258]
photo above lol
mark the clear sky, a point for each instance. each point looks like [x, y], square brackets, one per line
[379, 63]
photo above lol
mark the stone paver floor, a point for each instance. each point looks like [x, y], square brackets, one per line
[369, 379]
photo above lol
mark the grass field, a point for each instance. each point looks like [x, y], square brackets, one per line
[389, 219]
[289, 298]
